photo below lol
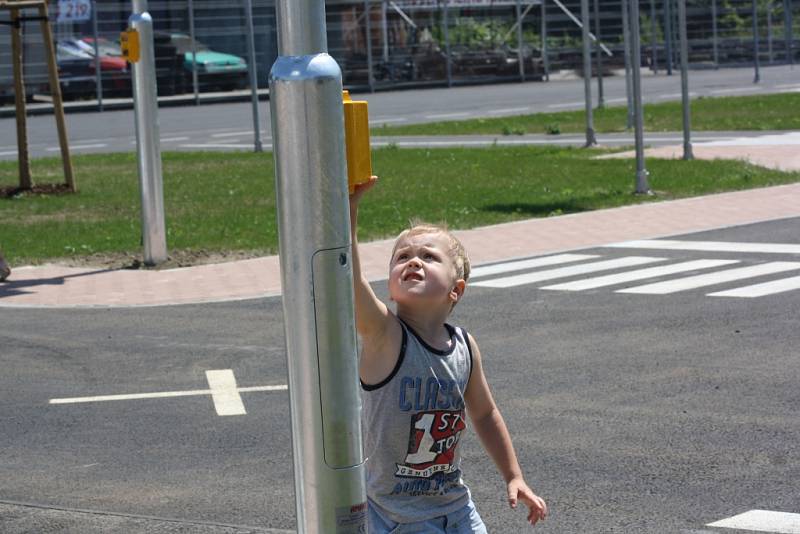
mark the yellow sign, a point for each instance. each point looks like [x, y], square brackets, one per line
[129, 42]
[356, 132]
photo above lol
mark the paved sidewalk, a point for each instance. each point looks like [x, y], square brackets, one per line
[53, 286]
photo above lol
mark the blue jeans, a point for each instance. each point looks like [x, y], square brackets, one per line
[465, 520]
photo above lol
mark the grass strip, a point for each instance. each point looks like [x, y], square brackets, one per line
[756, 113]
[218, 202]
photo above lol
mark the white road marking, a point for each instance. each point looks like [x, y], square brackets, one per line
[616, 100]
[158, 395]
[641, 274]
[737, 90]
[762, 521]
[720, 277]
[77, 147]
[222, 145]
[563, 272]
[710, 246]
[233, 134]
[10, 153]
[787, 86]
[448, 115]
[566, 105]
[173, 139]
[508, 110]
[388, 120]
[760, 290]
[224, 393]
[527, 264]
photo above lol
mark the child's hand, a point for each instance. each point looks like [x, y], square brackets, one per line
[360, 189]
[519, 490]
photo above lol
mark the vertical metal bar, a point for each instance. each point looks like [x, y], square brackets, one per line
[715, 33]
[316, 270]
[587, 74]
[368, 44]
[252, 71]
[756, 51]
[145, 106]
[667, 35]
[599, 55]
[653, 33]
[626, 41]
[385, 32]
[545, 58]
[642, 186]
[446, 24]
[23, 157]
[195, 85]
[98, 72]
[520, 55]
[787, 30]
[769, 32]
[687, 125]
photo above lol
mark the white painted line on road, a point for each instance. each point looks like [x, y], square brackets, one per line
[232, 134]
[11, 153]
[641, 274]
[388, 120]
[223, 145]
[762, 521]
[173, 139]
[720, 277]
[448, 115]
[565, 105]
[787, 86]
[497, 141]
[710, 246]
[508, 110]
[77, 147]
[224, 393]
[527, 264]
[760, 290]
[616, 100]
[736, 90]
[563, 272]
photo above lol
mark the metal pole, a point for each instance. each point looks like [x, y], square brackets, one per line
[667, 35]
[769, 32]
[715, 33]
[385, 30]
[195, 85]
[787, 29]
[687, 125]
[544, 42]
[98, 72]
[251, 67]
[599, 55]
[446, 23]
[653, 32]
[520, 56]
[317, 276]
[145, 105]
[626, 41]
[587, 74]
[368, 44]
[756, 52]
[642, 186]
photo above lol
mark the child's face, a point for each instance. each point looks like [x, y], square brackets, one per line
[422, 271]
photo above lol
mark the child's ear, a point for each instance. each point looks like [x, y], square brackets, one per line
[458, 290]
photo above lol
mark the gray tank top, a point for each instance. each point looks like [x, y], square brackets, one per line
[413, 422]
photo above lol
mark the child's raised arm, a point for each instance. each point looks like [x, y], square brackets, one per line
[493, 433]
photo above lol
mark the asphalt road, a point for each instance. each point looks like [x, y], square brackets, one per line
[230, 126]
[631, 413]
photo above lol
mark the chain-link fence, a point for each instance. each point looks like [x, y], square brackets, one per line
[201, 45]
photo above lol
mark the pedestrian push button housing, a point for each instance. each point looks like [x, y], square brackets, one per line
[356, 129]
[129, 42]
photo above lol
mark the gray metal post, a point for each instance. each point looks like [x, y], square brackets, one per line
[385, 31]
[591, 140]
[626, 41]
[787, 30]
[368, 44]
[769, 32]
[687, 125]
[446, 24]
[653, 33]
[520, 55]
[544, 42]
[667, 35]
[599, 55]
[148, 149]
[98, 72]
[756, 51]
[642, 186]
[195, 88]
[714, 33]
[252, 70]
[316, 273]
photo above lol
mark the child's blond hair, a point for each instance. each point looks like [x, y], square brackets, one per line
[456, 250]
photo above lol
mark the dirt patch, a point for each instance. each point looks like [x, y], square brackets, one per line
[177, 259]
[39, 189]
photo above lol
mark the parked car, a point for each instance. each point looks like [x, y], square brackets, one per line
[75, 71]
[114, 69]
[214, 69]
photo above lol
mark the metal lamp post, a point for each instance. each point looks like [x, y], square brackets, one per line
[642, 186]
[591, 140]
[687, 125]
[316, 269]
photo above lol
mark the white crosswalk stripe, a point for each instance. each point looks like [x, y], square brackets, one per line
[528, 264]
[710, 246]
[762, 521]
[564, 272]
[716, 278]
[641, 274]
[761, 290]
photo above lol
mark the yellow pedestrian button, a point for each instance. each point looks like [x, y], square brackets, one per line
[356, 129]
[129, 42]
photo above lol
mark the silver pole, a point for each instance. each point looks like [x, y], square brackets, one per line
[787, 29]
[98, 73]
[667, 35]
[653, 32]
[769, 32]
[520, 56]
[368, 43]
[587, 74]
[385, 31]
[599, 55]
[756, 52]
[446, 23]
[544, 42]
[148, 149]
[715, 33]
[251, 68]
[195, 88]
[626, 41]
[317, 276]
[642, 186]
[687, 125]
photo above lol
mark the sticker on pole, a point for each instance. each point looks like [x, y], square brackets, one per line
[352, 519]
[74, 10]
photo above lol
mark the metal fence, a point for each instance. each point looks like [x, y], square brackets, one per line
[201, 45]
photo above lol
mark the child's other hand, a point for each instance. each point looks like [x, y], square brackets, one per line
[518, 490]
[360, 189]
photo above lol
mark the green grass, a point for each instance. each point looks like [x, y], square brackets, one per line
[767, 112]
[226, 201]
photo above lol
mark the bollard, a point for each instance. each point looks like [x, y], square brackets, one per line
[642, 186]
[317, 275]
